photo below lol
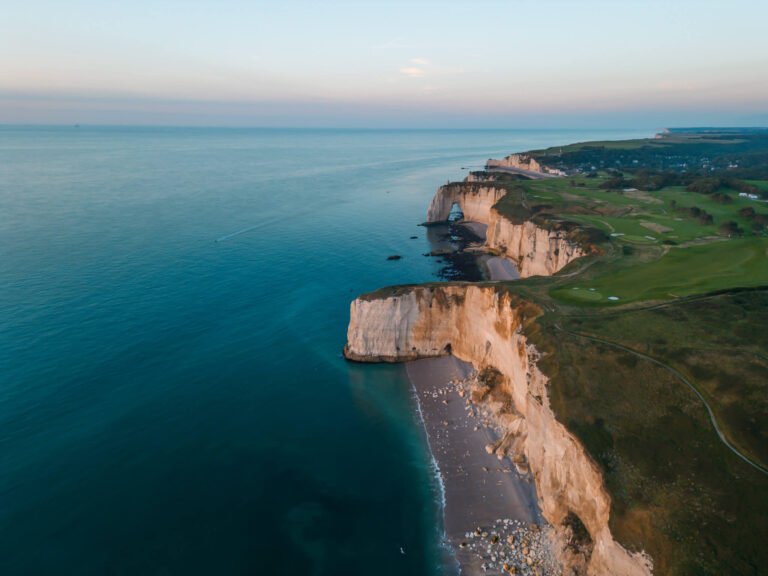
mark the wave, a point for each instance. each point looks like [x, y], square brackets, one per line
[233, 234]
[450, 563]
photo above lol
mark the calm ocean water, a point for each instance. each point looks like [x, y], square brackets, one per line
[173, 303]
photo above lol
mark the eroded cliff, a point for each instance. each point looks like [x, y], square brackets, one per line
[476, 199]
[487, 328]
[519, 161]
[524, 162]
[536, 251]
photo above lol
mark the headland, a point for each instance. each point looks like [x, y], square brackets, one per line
[643, 437]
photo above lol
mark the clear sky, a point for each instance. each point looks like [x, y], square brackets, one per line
[455, 63]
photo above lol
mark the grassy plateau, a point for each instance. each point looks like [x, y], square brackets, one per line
[656, 344]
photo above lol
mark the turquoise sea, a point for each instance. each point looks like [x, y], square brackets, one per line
[173, 304]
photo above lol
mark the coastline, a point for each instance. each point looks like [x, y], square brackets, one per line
[500, 268]
[493, 268]
[491, 520]
[572, 420]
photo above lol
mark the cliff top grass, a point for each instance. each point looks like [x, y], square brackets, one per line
[740, 150]
[697, 269]
[403, 289]
[656, 348]
[655, 345]
[658, 244]
[678, 491]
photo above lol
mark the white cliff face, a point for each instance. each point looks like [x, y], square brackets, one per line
[475, 201]
[481, 326]
[520, 161]
[523, 162]
[480, 177]
[536, 251]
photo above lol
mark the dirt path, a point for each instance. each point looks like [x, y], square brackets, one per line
[680, 377]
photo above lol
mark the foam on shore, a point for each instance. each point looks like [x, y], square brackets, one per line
[480, 494]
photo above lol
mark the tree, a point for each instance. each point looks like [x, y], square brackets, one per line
[705, 185]
[721, 198]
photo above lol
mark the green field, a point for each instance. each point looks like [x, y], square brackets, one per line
[653, 246]
[631, 331]
[722, 265]
[655, 344]
[677, 491]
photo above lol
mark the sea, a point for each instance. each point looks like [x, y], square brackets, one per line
[173, 306]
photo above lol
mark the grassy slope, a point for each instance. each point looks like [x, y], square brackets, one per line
[672, 253]
[678, 492]
[681, 272]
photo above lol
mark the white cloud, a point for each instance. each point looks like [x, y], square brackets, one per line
[420, 61]
[412, 72]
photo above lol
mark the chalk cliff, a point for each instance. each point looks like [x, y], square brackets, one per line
[536, 251]
[481, 177]
[487, 328]
[523, 162]
[519, 161]
[475, 200]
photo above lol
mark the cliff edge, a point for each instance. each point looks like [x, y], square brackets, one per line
[486, 327]
[536, 251]
[524, 163]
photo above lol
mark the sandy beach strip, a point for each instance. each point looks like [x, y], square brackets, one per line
[485, 498]
[477, 228]
[500, 268]
[497, 268]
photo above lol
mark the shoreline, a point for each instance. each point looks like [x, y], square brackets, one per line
[493, 268]
[490, 513]
[500, 269]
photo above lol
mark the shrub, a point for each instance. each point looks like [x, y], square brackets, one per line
[721, 198]
[614, 183]
[730, 228]
[705, 185]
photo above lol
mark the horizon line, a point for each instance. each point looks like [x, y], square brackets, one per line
[350, 128]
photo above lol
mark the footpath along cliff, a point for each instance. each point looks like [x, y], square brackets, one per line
[486, 326]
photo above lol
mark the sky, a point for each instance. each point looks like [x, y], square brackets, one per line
[397, 64]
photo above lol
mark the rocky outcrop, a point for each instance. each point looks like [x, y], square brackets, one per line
[475, 200]
[535, 251]
[485, 327]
